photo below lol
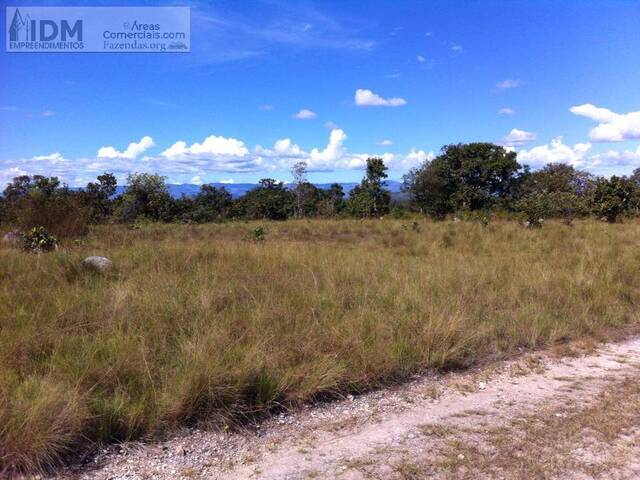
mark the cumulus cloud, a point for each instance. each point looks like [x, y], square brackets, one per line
[506, 111]
[612, 127]
[414, 158]
[507, 84]
[215, 153]
[556, 152]
[305, 114]
[212, 146]
[366, 98]
[133, 150]
[616, 158]
[52, 158]
[287, 148]
[518, 138]
[421, 59]
[193, 163]
[384, 142]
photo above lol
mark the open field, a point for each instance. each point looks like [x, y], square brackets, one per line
[199, 323]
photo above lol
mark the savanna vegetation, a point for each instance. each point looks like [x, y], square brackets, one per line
[207, 320]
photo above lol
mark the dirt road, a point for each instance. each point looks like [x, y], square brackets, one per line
[539, 416]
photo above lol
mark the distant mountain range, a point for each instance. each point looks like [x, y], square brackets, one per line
[238, 189]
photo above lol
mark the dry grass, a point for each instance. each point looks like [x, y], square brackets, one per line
[197, 323]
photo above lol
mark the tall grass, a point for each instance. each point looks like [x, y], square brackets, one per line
[199, 323]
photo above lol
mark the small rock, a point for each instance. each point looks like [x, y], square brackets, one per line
[482, 385]
[12, 238]
[460, 456]
[180, 450]
[98, 264]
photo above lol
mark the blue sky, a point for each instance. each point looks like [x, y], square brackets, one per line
[270, 83]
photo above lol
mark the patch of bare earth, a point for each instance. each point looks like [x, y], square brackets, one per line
[576, 417]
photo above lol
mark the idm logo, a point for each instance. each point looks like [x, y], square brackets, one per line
[25, 28]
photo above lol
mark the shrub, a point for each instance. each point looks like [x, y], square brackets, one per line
[258, 234]
[39, 240]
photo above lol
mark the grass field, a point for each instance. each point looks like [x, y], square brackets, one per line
[199, 323]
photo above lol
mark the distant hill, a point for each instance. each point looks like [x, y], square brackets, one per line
[238, 189]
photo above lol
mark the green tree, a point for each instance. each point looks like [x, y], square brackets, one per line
[145, 195]
[269, 200]
[370, 198]
[211, 204]
[472, 176]
[97, 196]
[615, 196]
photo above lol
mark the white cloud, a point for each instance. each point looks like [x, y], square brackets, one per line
[615, 158]
[228, 181]
[366, 98]
[331, 154]
[457, 49]
[52, 158]
[415, 158]
[48, 113]
[193, 163]
[506, 111]
[212, 146]
[518, 138]
[384, 142]
[133, 150]
[266, 107]
[612, 127]
[305, 114]
[286, 147]
[557, 152]
[8, 174]
[421, 59]
[331, 125]
[507, 84]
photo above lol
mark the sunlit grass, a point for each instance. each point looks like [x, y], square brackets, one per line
[199, 323]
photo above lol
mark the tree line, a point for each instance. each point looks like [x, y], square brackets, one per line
[465, 179]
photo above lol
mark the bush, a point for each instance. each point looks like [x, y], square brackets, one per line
[258, 234]
[39, 240]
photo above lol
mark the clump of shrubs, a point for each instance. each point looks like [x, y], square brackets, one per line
[39, 240]
[258, 234]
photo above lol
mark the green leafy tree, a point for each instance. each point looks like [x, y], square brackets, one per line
[211, 204]
[430, 189]
[41, 201]
[97, 196]
[370, 198]
[472, 176]
[36, 186]
[269, 200]
[145, 195]
[614, 197]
